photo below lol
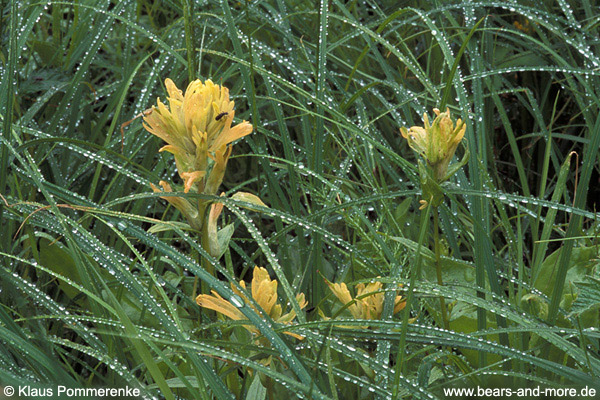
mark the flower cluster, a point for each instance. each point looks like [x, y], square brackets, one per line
[264, 293]
[436, 142]
[368, 302]
[197, 127]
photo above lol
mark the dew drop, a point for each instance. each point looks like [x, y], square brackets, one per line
[236, 301]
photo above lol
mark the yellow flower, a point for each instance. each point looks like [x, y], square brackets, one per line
[368, 303]
[525, 27]
[264, 292]
[197, 127]
[437, 142]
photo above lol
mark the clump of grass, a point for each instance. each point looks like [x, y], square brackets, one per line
[99, 275]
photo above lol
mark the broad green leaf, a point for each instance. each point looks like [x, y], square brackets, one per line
[256, 391]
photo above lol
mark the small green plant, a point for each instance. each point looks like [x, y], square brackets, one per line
[437, 143]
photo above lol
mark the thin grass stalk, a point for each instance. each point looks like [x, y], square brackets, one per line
[8, 94]
[190, 38]
[438, 266]
[415, 273]
[316, 286]
[539, 249]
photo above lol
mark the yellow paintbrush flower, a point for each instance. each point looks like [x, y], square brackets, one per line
[264, 292]
[368, 303]
[197, 128]
[437, 142]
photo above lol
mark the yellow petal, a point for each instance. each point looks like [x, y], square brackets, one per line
[228, 134]
[215, 211]
[426, 120]
[301, 300]
[266, 295]
[287, 318]
[264, 290]
[217, 173]
[166, 187]
[404, 132]
[461, 128]
[399, 304]
[295, 335]
[218, 304]
[190, 178]
[372, 299]
[173, 91]
[275, 313]
[340, 290]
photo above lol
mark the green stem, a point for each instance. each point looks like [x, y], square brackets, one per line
[415, 273]
[205, 245]
[203, 209]
[438, 265]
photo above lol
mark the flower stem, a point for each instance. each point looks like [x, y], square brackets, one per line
[206, 265]
[438, 266]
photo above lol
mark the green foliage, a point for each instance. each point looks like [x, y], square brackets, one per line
[98, 275]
